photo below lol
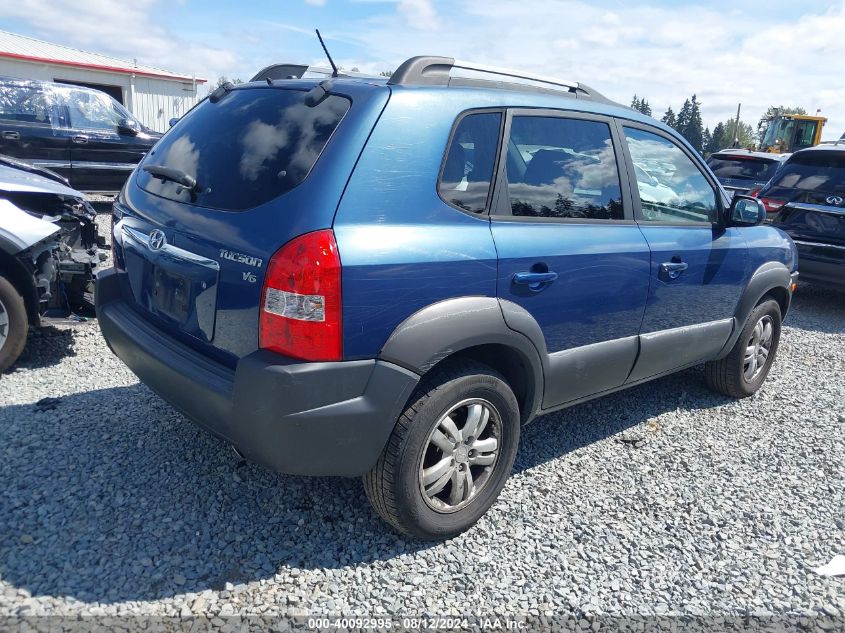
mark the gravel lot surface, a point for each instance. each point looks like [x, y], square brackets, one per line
[663, 499]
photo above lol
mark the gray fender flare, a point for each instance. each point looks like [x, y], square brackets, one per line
[767, 277]
[450, 326]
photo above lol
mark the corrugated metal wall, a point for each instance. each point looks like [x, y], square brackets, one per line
[154, 101]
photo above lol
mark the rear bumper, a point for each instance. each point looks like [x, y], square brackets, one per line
[821, 263]
[821, 272]
[330, 418]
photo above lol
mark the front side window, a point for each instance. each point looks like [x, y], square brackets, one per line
[671, 186]
[89, 110]
[562, 168]
[470, 159]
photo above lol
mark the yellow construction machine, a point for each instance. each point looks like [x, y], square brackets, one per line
[785, 133]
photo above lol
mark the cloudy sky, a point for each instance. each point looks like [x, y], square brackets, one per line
[758, 52]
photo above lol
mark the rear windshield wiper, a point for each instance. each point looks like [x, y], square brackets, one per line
[174, 175]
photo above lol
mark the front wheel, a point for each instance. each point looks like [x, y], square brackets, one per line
[450, 453]
[742, 372]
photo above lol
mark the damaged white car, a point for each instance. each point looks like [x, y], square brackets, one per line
[49, 250]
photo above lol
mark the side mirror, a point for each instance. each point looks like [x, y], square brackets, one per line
[746, 211]
[173, 121]
[127, 127]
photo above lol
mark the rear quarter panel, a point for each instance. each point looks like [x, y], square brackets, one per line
[401, 246]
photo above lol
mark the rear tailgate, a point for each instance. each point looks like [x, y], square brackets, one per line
[817, 230]
[269, 168]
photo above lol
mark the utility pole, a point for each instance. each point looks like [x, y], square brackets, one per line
[736, 127]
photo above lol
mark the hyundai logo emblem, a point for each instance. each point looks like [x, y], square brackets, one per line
[835, 200]
[157, 240]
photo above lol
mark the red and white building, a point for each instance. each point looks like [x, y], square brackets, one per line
[152, 94]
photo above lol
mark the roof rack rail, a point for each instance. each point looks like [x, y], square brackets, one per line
[430, 70]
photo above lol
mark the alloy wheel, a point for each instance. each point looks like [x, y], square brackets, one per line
[4, 324]
[758, 349]
[460, 455]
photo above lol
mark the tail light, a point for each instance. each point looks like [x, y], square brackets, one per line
[300, 302]
[753, 193]
[772, 205]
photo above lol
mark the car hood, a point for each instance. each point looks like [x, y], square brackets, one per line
[18, 180]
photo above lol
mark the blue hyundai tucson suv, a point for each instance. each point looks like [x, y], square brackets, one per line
[387, 278]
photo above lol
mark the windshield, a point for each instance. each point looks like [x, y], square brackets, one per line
[250, 147]
[819, 171]
[742, 168]
[778, 132]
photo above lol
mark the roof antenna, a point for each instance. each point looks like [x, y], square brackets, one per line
[326, 51]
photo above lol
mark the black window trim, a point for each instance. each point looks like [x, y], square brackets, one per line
[697, 160]
[493, 177]
[501, 210]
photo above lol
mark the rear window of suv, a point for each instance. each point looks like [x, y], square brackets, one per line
[742, 167]
[250, 147]
[815, 170]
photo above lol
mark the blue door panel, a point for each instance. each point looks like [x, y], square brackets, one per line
[709, 288]
[602, 285]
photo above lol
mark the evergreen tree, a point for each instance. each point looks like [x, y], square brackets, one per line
[694, 132]
[683, 118]
[635, 103]
[669, 118]
[641, 105]
[717, 139]
[707, 141]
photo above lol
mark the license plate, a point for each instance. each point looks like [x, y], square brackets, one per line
[171, 294]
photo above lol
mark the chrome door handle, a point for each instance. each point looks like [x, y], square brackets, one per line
[673, 270]
[12, 136]
[79, 139]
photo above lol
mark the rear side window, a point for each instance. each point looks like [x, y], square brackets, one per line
[822, 171]
[742, 167]
[470, 159]
[250, 147]
[27, 104]
[562, 168]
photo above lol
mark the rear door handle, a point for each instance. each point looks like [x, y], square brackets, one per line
[535, 281]
[12, 136]
[79, 139]
[673, 270]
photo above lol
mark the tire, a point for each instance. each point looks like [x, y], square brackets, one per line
[394, 486]
[730, 375]
[13, 324]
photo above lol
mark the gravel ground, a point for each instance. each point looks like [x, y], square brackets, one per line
[665, 499]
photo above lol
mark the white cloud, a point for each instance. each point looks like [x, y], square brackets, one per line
[720, 51]
[419, 14]
[316, 3]
[121, 29]
[760, 53]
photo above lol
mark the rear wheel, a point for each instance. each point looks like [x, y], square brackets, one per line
[13, 324]
[450, 454]
[742, 372]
